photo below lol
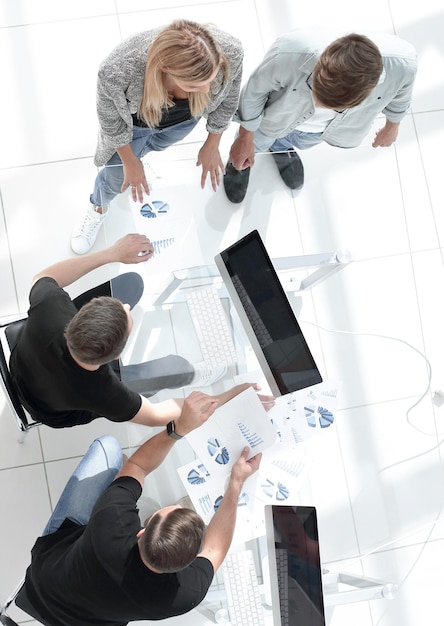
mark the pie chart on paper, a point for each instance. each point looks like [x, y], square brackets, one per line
[218, 451]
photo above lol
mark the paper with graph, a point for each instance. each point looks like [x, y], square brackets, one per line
[167, 220]
[304, 414]
[240, 422]
[279, 434]
[218, 444]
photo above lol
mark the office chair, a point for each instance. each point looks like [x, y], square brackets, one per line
[5, 620]
[21, 599]
[9, 336]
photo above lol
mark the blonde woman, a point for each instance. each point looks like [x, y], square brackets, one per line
[152, 90]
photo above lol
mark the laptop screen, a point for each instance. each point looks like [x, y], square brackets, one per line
[295, 566]
[266, 315]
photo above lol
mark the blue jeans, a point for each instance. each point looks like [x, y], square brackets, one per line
[295, 139]
[149, 377]
[109, 180]
[94, 473]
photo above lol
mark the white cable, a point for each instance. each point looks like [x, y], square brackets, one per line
[436, 521]
[429, 367]
[412, 567]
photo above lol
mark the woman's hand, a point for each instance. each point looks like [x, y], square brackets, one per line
[133, 173]
[211, 161]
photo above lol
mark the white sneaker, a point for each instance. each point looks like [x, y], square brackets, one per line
[85, 233]
[205, 375]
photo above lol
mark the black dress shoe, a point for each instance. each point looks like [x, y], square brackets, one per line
[236, 183]
[290, 168]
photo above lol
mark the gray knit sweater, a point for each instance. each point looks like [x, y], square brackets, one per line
[120, 89]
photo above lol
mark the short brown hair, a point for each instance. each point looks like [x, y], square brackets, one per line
[172, 542]
[347, 72]
[186, 51]
[98, 332]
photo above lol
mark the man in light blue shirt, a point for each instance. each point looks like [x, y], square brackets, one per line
[312, 87]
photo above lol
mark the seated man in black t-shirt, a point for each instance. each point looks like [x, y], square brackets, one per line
[65, 365]
[94, 563]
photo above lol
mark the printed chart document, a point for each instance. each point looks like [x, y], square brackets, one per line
[168, 223]
[218, 444]
[280, 434]
[307, 413]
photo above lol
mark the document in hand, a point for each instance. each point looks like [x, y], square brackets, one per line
[241, 422]
[218, 444]
[281, 434]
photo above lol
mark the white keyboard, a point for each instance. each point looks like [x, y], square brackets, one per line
[242, 591]
[211, 326]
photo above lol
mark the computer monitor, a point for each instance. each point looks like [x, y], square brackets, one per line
[295, 566]
[266, 315]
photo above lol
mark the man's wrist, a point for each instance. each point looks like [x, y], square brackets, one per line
[172, 431]
[245, 135]
[390, 124]
[235, 485]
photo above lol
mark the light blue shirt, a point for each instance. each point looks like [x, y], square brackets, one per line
[277, 99]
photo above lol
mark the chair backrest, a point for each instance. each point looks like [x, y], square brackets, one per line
[11, 333]
[5, 620]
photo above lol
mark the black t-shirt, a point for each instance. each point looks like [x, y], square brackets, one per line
[51, 385]
[179, 112]
[93, 575]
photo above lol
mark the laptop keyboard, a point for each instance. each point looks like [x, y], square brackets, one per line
[242, 590]
[211, 326]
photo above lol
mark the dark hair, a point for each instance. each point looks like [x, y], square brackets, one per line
[173, 541]
[347, 72]
[98, 332]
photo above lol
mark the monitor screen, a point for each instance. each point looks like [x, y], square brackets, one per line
[295, 566]
[266, 315]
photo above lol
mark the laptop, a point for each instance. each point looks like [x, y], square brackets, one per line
[266, 316]
[294, 565]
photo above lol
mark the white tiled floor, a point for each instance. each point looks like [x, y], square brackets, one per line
[377, 477]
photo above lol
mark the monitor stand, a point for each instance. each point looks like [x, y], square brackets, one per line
[342, 588]
[323, 266]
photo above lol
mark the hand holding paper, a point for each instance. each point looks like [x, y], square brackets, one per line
[197, 408]
[240, 422]
[244, 468]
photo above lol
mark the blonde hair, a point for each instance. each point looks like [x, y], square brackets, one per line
[186, 51]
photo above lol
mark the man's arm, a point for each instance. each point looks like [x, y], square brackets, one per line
[160, 413]
[129, 249]
[197, 408]
[268, 77]
[220, 530]
[387, 135]
[225, 396]
[242, 150]
[400, 104]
